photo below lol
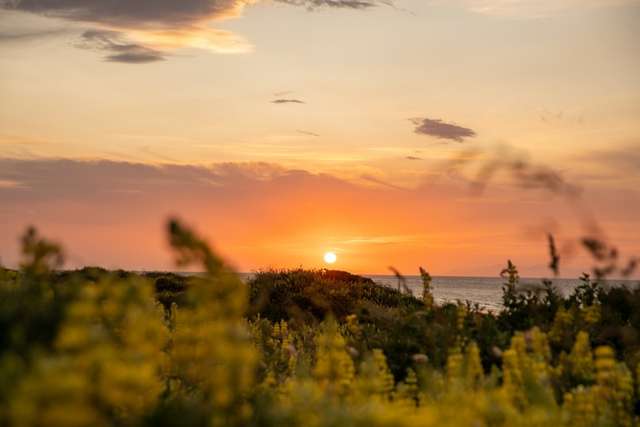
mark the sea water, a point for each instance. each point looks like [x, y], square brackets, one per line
[485, 291]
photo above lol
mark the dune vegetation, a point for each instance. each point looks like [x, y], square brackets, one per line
[304, 348]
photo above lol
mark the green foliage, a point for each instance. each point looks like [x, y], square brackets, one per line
[315, 348]
[309, 296]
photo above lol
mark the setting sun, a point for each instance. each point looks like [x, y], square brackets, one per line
[330, 257]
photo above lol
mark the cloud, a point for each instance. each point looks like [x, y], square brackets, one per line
[142, 14]
[144, 31]
[380, 240]
[343, 4]
[442, 130]
[557, 117]
[28, 35]
[623, 161]
[533, 8]
[95, 206]
[18, 27]
[287, 101]
[413, 158]
[119, 50]
[167, 14]
[377, 181]
[305, 132]
[155, 28]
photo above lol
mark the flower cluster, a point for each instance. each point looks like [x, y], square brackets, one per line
[98, 348]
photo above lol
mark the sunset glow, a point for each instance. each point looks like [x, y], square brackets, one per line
[395, 131]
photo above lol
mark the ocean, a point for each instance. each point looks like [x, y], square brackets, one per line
[486, 291]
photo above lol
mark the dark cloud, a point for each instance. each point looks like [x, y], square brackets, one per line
[184, 22]
[144, 14]
[442, 130]
[344, 4]
[130, 13]
[287, 101]
[413, 158]
[118, 49]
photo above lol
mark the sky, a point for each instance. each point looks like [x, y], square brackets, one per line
[449, 134]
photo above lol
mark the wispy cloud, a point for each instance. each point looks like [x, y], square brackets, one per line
[27, 35]
[623, 161]
[287, 101]
[344, 4]
[558, 117]
[533, 8]
[381, 240]
[118, 49]
[378, 181]
[442, 130]
[305, 132]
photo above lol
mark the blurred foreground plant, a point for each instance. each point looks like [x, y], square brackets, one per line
[293, 348]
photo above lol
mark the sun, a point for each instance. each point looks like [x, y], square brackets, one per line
[330, 257]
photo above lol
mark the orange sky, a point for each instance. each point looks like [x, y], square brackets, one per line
[284, 129]
[260, 215]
